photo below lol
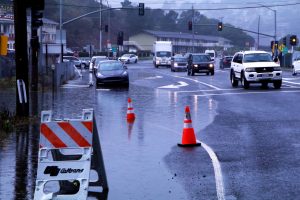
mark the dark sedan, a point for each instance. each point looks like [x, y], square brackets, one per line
[178, 63]
[112, 72]
[200, 63]
[225, 62]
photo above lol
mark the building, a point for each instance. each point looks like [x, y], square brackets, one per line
[182, 42]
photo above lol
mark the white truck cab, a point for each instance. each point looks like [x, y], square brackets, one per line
[211, 53]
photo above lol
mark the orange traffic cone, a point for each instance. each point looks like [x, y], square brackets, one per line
[130, 113]
[188, 134]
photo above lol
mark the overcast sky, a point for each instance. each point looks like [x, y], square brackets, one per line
[287, 16]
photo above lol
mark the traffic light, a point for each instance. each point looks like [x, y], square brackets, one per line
[120, 38]
[106, 28]
[3, 45]
[284, 41]
[293, 40]
[220, 26]
[36, 18]
[190, 25]
[141, 9]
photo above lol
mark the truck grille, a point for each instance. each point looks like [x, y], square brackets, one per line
[264, 69]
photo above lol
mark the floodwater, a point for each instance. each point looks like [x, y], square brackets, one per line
[142, 160]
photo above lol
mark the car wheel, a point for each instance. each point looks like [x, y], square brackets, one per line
[233, 80]
[212, 73]
[277, 84]
[264, 85]
[294, 72]
[244, 82]
[135, 61]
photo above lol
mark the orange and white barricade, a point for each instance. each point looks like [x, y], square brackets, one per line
[69, 151]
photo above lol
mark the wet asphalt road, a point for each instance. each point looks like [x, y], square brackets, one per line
[254, 134]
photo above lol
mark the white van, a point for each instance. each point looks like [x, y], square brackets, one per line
[211, 53]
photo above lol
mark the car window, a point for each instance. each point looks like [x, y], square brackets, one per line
[228, 58]
[110, 66]
[163, 54]
[257, 57]
[180, 59]
[201, 58]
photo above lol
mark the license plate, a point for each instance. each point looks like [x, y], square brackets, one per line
[265, 75]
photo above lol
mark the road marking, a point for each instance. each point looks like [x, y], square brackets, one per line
[215, 162]
[217, 170]
[181, 84]
[194, 80]
[291, 82]
[192, 91]
[237, 93]
[74, 86]
[154, 77]
[102, 89]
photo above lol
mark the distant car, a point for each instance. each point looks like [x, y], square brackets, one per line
[86, 61]
[178, 63]
[296, 66]
[225, 62]
[112, 72]
[77, 62]
[128, 58]
[200, 63]
[95, 62]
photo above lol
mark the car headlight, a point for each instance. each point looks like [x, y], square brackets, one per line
[175, 64]
[250, 69]
[99, 75]
[210, 65]
[157, 61]
[195, 65]
[277, 68]
[125, 73]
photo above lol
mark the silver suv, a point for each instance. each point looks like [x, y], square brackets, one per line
[255, 67]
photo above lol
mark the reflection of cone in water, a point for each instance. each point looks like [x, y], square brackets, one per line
[130, 113]
[129, 126]
[188, 134]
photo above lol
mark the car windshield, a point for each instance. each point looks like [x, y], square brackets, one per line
[211, 54]
[180, 59]
[99, 60]
[110, 66]
[257, 57]
[201, 58]
[163, 54]
[228, 58]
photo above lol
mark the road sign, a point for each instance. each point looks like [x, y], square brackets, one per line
[285, 50]
[114, 49]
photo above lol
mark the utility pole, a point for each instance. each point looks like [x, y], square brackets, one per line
[193, 27]
[21, 58]
[100, 37]
[258, 32]
[60, 32]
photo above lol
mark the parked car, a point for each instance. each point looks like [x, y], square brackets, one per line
[178, 63]
[296, 66]
[255, 67]
[77, 62]
[128, 58]
[112, 72]
[95, 62]
[200, 63]
[225, 62]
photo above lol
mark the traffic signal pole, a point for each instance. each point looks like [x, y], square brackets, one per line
[34, 41]
[21, 58]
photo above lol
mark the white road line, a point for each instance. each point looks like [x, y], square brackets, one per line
[194, 80]
[238, 93]
[181, 84]
[291, 82]
[74, 86]
[217, 170]
[215, 162]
